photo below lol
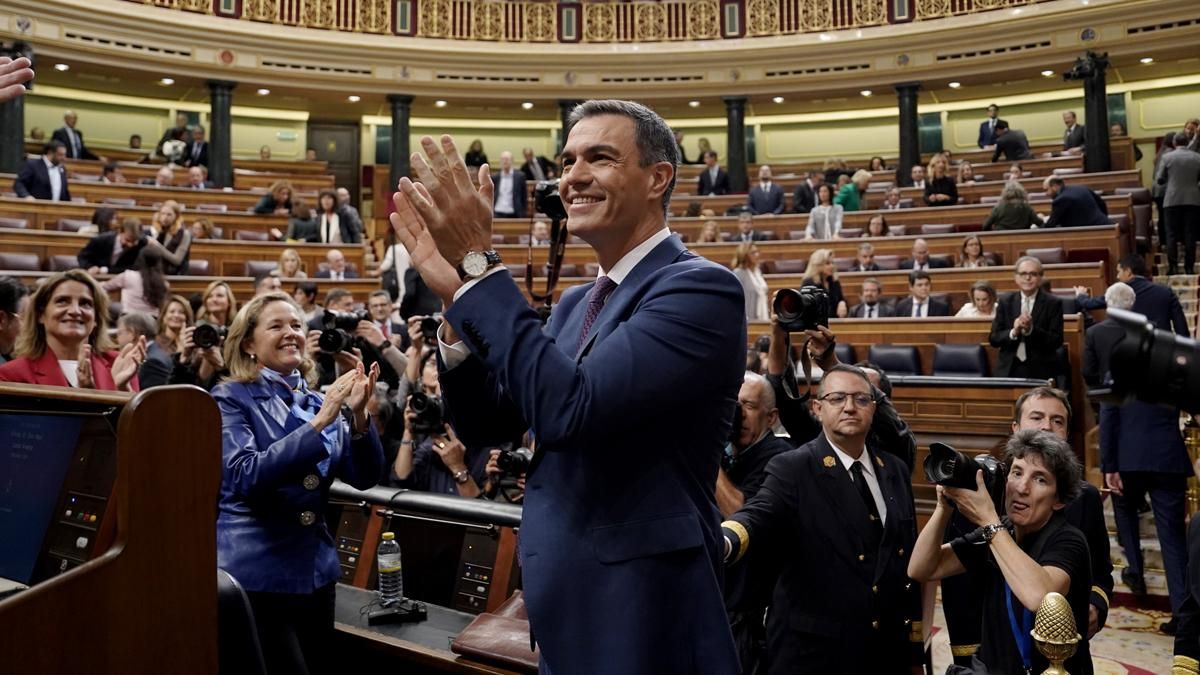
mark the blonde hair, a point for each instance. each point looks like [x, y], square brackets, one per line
[816, 261]
[741, 256]
[206, 226]
[290, 254]
[32, 343]
[716, 232]
[243, 368]
[174, 206]
[861, 175]
[202, 315]
[281, 185]
[182, 302]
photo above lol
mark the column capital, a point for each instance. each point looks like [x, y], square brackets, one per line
[907, 87]
[400, 99]
[221, 85]
[734, 100]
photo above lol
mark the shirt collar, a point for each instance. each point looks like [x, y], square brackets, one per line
[49, 165]
[630, 260]
[848, 461]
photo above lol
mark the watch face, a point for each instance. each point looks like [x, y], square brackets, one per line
[475, 263]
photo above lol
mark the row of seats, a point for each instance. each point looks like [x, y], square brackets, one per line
[949, 360]
[1048, 256]
[31, 262]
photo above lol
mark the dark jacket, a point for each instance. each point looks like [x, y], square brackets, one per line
[347, 226]
[904, 307]
[34, 181]
[1073, 137]
[196, 157]
[804, 199]
[1013, 145]
[935, 263]
[1043, 341]
[769, 201]
[520, 196]
[60, 134]
[1077, 206]
[156, 369]
[98, 252]
[941, 186]
[986, 135]
[882, 310]
[547, 168]
[710, 187]
[268, 204]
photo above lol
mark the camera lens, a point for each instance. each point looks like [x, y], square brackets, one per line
[334, 341]
[207, 335]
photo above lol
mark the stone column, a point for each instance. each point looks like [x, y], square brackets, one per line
[400, 148]
[1097, 153]
[910, 133]
[12, 136]
[220, 139]
[735, 142]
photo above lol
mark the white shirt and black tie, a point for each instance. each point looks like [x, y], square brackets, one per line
[920, 308]
[197, 148]
[54, 173]
[868, 474]
[871, 311]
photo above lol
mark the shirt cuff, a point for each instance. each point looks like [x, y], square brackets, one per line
[455, 354]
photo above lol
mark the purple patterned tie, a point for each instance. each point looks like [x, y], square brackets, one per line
[596, 298]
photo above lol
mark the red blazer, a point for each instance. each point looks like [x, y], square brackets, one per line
[45, 370]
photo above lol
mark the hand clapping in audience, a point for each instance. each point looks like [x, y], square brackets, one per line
[83, 372]
[352, 389]
[126, 365]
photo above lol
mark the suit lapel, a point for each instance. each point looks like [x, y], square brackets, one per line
[47, 371]
[841, 497]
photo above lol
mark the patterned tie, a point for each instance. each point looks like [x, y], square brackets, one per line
[604, 286]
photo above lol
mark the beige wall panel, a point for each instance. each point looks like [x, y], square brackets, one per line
[821, 140]
[1041, 122]
[102, 124]
[250, 134]
[494, 141]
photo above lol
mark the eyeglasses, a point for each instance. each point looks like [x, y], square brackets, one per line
[839, 398]
[1029, 275]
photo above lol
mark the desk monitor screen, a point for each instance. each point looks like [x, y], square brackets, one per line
[35, 453]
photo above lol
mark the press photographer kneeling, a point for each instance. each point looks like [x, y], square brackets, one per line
[1032, 552]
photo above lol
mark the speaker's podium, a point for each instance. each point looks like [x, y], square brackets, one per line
[108, 531]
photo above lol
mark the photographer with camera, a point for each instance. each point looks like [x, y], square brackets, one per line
[341, 336]
[431, 458]
[1042, 553]
[506, 469]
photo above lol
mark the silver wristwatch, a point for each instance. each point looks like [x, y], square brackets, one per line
[989, 531]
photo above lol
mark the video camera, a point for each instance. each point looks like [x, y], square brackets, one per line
[949, 467]
[208, 335]
[802, 309]
[1151, 365]
[430, 413]
[338, 330]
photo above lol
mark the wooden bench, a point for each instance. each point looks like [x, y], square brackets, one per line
[45, 215]
[225, 258]
[148, 195]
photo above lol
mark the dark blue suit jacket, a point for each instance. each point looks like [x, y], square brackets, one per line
[1077, 206]
[1156, 302]
[986, 135]
[34, 180]
[770, 201]
[620, 543]
[270, 479]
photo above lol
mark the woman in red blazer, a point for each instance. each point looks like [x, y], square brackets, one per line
[64, 339]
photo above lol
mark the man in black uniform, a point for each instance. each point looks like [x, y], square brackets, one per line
[843, 513]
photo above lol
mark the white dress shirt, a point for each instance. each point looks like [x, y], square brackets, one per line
[504, 193]
[868, 475]
[920, 308]
[55, 174]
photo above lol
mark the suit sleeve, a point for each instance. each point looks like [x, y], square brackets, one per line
[1091, 361]
[479, 410]
[1049, 336]
[1001, 325]
[253, 470]
[1056, 213]
[683, 333]
[20, 185]
[154, 372]
[778, 193]
[996, 153]
[1178, 320]
[91, 254]
[793, 410]
[362, 466]
[1110, 438]
[1096, 533]
[766, 512]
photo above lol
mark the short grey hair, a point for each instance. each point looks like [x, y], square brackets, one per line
[767, 392]
[1014, 192]
[1120, 296]
[140, 324]
[653, 136]
[1055, 455]
[1027, 258]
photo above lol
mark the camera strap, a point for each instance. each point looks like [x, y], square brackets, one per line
[1021, 633]
[558, 247]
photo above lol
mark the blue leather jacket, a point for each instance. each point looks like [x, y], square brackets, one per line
[271, 531]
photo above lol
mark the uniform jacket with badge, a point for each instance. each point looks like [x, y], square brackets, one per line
[837, 607]
[276, 473]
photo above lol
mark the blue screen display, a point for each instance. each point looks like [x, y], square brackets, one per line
[35, 452]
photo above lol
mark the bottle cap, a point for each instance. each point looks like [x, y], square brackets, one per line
[388, 536]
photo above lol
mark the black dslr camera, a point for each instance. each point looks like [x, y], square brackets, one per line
[802, 309]
[338, 330]
[547, 200]
[208, 335]
[948, 467]
[514, 461]
[429, 328]
[430, 413]
[1151, 365]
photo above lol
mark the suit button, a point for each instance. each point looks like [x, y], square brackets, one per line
[875, 589]
[861, 557]
[908, 622]
[900, 553]
[875, 625]
[307, 518]
[312, 482]
[908, 586]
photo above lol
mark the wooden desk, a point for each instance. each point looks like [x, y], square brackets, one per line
[44, 215]
[243, 179]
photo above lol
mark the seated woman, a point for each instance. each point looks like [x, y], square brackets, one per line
[971, 254]
[825, 219]
[877, 226]
[143, 287]
[852, 196]
[940, 189]
[302, 223]
[745, 268]
[174, 241]
[966, 173]
[1013, 211]
[983, 301]
[710, 233]
[104, 219]
[282, 447]
[289, 265]
[1015, 172]
[176, 316]
[64, 339]
[202, 228]
[822, 273]
[877, 165]
[278, 199]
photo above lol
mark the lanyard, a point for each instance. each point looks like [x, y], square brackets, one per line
[1023, 637]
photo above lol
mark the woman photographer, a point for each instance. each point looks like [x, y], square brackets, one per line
[201, 362]
[283, 445]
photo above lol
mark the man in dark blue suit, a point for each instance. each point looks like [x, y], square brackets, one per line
[44, 177]
[1141, 452]
[765, 197]
[987, 129]
[72, 138]
[1074, 205]
[1156, 302]
[629, 392]
[713, 180]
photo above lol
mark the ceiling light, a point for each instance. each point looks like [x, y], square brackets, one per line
[263, 92]
[778, 99]
[166, 82]
[865, 92]
[1016, 11]
[439, 104]
[528, 105]
[1147, 60]
[694, 104]
[61, 67]
[955, 85]
[353, 99]
[1047, 73]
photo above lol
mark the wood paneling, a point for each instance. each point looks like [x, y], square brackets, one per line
[45, 215]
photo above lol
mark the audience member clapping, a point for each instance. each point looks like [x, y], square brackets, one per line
[746, 269]
[983, 301]
[65, 340]
[971, 255]
[278, 199]
[821, 272]
[175, 317]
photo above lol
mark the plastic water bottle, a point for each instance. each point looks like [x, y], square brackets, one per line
[391, 579]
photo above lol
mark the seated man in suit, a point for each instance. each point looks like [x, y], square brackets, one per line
[746, 231]
[1011, 143]
[872, 305]
[805, 197]
[921, 260]
[987, 128]
[766, 197]
[1141, 452]
[196, 152]
[164, 177]
[1073, 205]
[198, 178]
[1028, 327]
[338, 269]
[114, 251]
[866, 259]
[540, 236]
[510, 196]
[536, 167]
[892, 201]
[44, 177]
[713, 179]
[1073, 136]
[919, 304]
[916, 176]
[839, 515]
[72, 138]
[111, 173]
